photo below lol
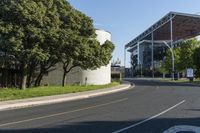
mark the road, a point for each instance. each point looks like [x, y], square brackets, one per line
[150, 107]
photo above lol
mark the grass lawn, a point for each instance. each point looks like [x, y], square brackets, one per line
[13, 93]
[196, 81]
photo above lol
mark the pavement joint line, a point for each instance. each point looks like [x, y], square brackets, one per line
[63, 113]
[151, 118]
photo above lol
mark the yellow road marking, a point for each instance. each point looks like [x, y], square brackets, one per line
[63, 113]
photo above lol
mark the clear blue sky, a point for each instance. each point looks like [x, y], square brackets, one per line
[125, 19]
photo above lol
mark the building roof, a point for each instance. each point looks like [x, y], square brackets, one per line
[185, 26]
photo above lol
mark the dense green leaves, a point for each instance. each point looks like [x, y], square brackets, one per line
[196, 59]
[185, 52]
[42, 33]
[106, 49]
[183, 56]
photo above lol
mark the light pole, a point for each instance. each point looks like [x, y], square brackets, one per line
[173, 59]
[141, 71]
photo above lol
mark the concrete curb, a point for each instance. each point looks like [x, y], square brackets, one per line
[30, 102]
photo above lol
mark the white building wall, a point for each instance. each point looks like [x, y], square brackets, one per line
[54, 77]
[102, 75]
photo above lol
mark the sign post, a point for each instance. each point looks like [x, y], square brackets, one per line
[190, 74]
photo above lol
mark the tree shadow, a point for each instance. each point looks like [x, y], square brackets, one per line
[154, 126]
[195, 110]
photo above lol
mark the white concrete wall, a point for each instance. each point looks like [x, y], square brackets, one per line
[54, 77]
[102, 75]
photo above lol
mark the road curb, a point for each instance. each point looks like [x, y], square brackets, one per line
[30, 102]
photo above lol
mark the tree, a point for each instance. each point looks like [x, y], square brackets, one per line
[41, 33]
[30, 31]
[183, 56]
[21, 32]
[86, 54]
[106, 52]
[79, 46]
[59, 12]
[196, 60]
[185, 53]
[166, 66]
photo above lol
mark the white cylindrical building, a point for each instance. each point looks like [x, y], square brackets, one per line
[102, 75]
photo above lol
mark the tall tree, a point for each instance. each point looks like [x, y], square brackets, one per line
[80, 47]
[86, 54]
[186, 50]
[183, 56]
[166, 66]
[52, 46]
[41, 33]
[196, 60]
[21, 32]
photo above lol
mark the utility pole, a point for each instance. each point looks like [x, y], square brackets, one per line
[172, 47]
[152, 54]
[125, 62]
[173, 59]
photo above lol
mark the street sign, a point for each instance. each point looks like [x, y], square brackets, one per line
[190, 73]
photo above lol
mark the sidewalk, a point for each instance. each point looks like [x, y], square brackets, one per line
[14, 104]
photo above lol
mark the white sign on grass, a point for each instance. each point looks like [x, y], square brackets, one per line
[190, 73]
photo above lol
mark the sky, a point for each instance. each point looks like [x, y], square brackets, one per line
[125, 19]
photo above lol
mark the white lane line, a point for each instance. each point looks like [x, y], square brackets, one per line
[63, 113]
[153, 117]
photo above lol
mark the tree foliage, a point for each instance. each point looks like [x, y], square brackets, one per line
[41, 33]
[183, 56]
[196, 60]
[166, 66]
[185, 53]
[21, 28]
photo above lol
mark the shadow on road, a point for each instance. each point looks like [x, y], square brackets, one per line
[154, 126]
[194, 110]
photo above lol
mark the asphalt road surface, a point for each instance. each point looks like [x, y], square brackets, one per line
[150, 107]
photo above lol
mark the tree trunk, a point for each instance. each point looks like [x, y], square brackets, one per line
[3, 83]
[65, 72]
[38, 79]
[163, 75]
[23, 76]
[6, 77]
[30, 74]
[23, 82]
[64, 79]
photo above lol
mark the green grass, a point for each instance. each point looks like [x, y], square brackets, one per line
[196, 81]
[13, 93]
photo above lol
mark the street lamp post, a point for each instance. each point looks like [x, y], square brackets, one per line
[171, 50]
[173, 59]
[141, 71]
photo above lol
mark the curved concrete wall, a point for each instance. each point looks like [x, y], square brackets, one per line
[102, 75]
